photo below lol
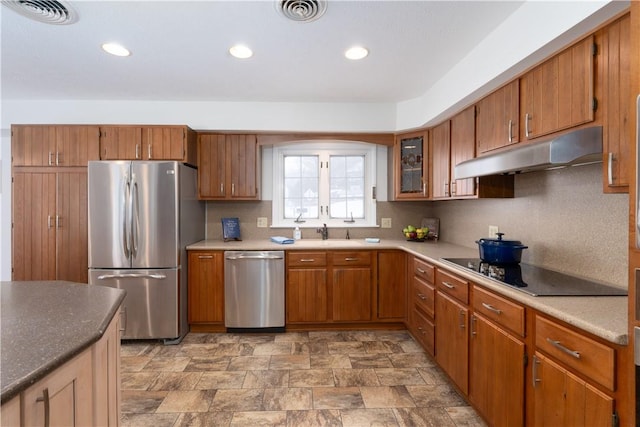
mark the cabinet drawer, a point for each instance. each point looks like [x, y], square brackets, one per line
[351, 258]
[505, 313]
[424, 296]
[453, 286]
[306, 259]
[424, 331]
[589, 357]
[423, 270]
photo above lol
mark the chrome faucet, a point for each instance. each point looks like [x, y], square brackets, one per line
[324, 231]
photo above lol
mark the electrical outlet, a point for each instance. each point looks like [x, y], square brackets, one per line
[262, 222]
[493, 230]
[386, 222]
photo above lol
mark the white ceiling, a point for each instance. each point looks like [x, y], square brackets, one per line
[180, 50]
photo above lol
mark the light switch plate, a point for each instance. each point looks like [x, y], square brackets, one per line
[493, 230]
[262, 222]
[385, 222]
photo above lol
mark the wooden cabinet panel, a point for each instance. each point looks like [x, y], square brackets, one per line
[71, 226]
[44, 145]
[34, 232]
[121, 143]
[351, 258]
[426, 272]
[411, 166]
[69, 395]
[577, 351]
[463, 147]
[206, 287]
[563, 399]
[10, 413]
[351, 293]
[424, 296]
[424, 331]
[452, 285]
[440, 165]
[392, 285]
[228, 167]
[497, 118]
[306, 259]
[106, 376]
[503, 312]
[307, 295]
[558, 94]
[496, 374]
[165, 143]
[614, 70]
[452, 344]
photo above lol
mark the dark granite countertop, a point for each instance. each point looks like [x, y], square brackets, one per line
[46, 323]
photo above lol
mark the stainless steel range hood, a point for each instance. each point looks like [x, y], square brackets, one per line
[574, 148]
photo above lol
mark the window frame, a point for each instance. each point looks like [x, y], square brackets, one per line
[369, 151]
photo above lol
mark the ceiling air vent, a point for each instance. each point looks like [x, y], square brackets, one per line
[302, 10]
[47, 11]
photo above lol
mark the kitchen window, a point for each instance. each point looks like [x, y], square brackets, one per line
[314, 185]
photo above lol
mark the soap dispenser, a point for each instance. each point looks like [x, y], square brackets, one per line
[297, 234]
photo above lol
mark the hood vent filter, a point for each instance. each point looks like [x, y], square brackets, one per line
[302, 10]
[47, 11]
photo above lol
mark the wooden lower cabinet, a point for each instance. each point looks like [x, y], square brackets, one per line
[392, 285]
[351, 299]
[452, 344]
[563, 399]
[84, 391]
[50, 224]
[307, 295]
[206, 287]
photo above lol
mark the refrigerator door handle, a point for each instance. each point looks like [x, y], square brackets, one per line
[135, 218]
[125, 219]
[131, 276]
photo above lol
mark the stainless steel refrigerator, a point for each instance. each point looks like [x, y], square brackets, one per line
[142, 215]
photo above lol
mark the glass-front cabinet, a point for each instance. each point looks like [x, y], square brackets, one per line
[411, 166]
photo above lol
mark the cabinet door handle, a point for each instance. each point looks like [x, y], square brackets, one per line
[58, 161]
[222, 188]
[307, 259]
[205, 256]
[49, 221]
[422, 297]
[454, 187]
[534, 372]
[149, 151]
[424, 188]
[50, 159]
[610, 169]
[462, 318]
[351, 259]
[491, 308]
[564, 349]
[448, 285]
[137, 151]
[233, 189]
[58, 221]
[123, 320]
[527, 117]
[473, 323]
[46, 401]
[446, 188]
[419, 270]
[510, 131]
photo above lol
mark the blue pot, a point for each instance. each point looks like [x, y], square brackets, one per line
[498, 251]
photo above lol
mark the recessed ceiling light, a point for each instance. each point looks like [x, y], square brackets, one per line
[240, 51]
[115, 49]
[356, 52]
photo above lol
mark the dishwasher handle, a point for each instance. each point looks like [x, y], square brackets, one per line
[234, 257]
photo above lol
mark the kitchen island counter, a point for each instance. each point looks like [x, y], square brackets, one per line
[603, 316]
[45, 324]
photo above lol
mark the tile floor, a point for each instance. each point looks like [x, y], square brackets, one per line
[346, 378]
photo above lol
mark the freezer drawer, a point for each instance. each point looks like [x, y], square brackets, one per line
[150, 308]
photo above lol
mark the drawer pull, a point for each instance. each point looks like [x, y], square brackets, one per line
[534, 371]
[351, 259]
[463, 318]
[473, 323]
[307, 259]
[205, 256]
[448, 285]
[491, 308]
[559, 346]
[421, 271]
[422, 297]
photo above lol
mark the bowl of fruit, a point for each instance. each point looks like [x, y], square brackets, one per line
[414, 234]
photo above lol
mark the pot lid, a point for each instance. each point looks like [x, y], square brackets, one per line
[499, 241]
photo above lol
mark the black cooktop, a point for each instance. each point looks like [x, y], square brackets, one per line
[537, 281]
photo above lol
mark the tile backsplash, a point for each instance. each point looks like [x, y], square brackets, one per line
[562, 216]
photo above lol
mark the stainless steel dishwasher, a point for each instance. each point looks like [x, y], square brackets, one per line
[254, 291]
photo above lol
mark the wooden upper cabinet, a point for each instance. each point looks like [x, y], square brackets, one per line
[614, 70]
[411, 166]
[148, 143]
[463, 147]
[53, 145]
[440, 167]
[228, 167]
[558, 94]
[497, 118]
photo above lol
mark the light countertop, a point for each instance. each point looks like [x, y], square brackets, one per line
[605, 317]
[47, 323]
